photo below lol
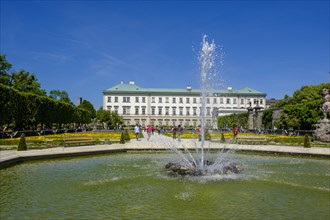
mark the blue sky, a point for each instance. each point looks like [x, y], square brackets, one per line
[84, 47]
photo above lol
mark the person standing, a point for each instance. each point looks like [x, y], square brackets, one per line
[137, 131]
[149, 131]
[199, 131]
[180, 131]
[235, 131]
[174, 130]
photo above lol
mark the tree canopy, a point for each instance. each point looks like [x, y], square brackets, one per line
[303, 109]
[62, 96]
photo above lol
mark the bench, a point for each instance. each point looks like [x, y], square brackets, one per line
[252, 140]
[78, 141]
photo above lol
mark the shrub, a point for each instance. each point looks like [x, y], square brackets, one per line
[207, 135]
[222, 140]
[122, 138]
[22, 144]
[307, 143]
[126, 135]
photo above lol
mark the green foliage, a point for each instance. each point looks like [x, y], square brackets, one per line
[26, 109]
[111, 118]
[303, 109]
[267, 118]
[307, 143]
[5, 66]
[22, 144]
[126, 135]
[222, 140]
[62, 96]
[25, 82]
[122, 138]
[89, 107]
[207, 135]
[229, 121]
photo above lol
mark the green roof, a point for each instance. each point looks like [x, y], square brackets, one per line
[133, 88]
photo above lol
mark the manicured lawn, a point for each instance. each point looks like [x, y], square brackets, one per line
[48, 141]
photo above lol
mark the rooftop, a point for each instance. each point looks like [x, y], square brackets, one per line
[132, 87]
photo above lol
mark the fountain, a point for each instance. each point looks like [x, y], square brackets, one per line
[135, 186]
[200, 165]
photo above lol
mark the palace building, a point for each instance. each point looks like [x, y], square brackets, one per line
[168, 107]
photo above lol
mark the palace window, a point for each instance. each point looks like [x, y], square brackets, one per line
[160, 100]
[187, 100]
[174, 111]
[167, 111]
[126, 99]
[137, 99]
[143, 110]
[160, 109]
[116, 99]
[187, 111]
[143, 99]
[194, 111]
[126, 110]
[109, 99]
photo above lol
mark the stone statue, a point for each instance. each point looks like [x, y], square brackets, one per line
[326, 103]
[322, 127]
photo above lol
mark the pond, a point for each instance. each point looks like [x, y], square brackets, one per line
[136, 186]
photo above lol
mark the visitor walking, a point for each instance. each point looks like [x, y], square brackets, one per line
[199, 131]
[174, 130]
[149, 131]
[235, 131]
[180, 131]
[137, 131]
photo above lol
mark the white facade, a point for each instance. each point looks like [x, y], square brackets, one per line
[167, 107]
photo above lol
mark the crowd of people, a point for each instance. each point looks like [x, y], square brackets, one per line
[176, 131]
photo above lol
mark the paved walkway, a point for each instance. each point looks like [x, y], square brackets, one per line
[156, 142]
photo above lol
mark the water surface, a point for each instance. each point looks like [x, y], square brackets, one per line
[136, 186]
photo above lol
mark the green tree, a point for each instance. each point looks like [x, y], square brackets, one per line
[89, 107]
[22, 143]
[229, 121]
[126, 135]
[110, 118]
[5, 66]
[267, 118]
[62, 96]
[103, 116]
[307, 143]
[25, 82]
[302, 110]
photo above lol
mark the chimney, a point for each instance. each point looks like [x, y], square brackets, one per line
[79, 101]
[131, 82]
[189, 88]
